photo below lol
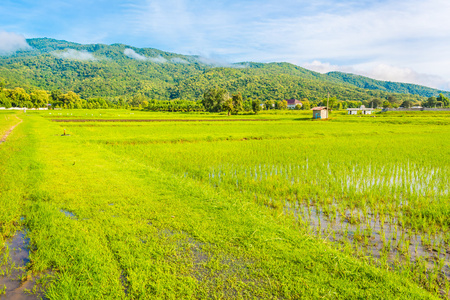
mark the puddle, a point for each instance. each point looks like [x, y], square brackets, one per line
[124, 282]
[14, 269]
[69, 214]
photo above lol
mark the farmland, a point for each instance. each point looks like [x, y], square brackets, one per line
[144, 205]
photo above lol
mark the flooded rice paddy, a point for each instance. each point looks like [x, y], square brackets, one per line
[15, 283]
[383, 228]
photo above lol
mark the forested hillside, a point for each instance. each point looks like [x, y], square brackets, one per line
[388, 86]
[113, 71]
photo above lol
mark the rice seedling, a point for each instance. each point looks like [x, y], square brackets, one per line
[246, 199]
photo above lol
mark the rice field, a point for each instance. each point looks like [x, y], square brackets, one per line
[173, 205]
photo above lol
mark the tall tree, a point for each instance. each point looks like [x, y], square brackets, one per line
[18, 97]
[55, 96]
[431, 102]
[214, 98]
[227, 105]
[256, 106]
[407, 104]
[376, 102]
[445, 101]
[282, 104]
[237, 103]
[39, 98]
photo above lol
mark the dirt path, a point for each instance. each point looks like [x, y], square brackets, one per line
[3, 138]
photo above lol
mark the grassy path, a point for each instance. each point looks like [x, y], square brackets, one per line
[112, 227]
[5, 130]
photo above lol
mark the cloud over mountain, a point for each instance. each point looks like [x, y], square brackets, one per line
[11, 42]
[132, 54]
[383, 72]
[75, 54]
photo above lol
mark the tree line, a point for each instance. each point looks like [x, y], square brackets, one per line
[212, 100]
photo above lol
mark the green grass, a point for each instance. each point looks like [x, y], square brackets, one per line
[7, 120]
[197, 209]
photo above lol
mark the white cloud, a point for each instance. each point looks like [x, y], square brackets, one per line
[412, 34]
[320, 67]
[409, 33]
[132, 54]
[178, 60]
[74, 54]
[383, 72]
[11, 42]
[158, 59]
[211, 62]
[217, 62]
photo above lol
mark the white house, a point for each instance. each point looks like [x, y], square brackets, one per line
[292, 103]
[363, 109]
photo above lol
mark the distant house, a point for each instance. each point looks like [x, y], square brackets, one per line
[292, 103]
[363, 109]
[320, 112]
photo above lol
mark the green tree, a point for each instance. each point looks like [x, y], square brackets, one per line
[18, 97]
[281, 104]
[256, 106]
[376, 102]
[137, 100]
[71, 99]
[237, 103]
[40, 98]
[407, 104]
[227, 105]
[55, 96]
[4, 102]
[393, 99]
[268, 104]
[213, 99]
[306, 104]
[431, 102]
[332, 102]
[387, 104]
[445, 101]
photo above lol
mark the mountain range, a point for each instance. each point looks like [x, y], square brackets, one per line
[117, 70]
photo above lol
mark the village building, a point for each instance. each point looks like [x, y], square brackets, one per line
[363, 109]
[292, 103]
[320, 112]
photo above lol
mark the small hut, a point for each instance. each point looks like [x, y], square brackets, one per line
[320, 112]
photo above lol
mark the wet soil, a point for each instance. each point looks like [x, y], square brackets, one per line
[380, 237]
[15, 280]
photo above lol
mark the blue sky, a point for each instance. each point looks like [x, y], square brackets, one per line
[395, 40]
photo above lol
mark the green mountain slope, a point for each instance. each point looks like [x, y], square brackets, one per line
[119, 70]
[388, 86]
